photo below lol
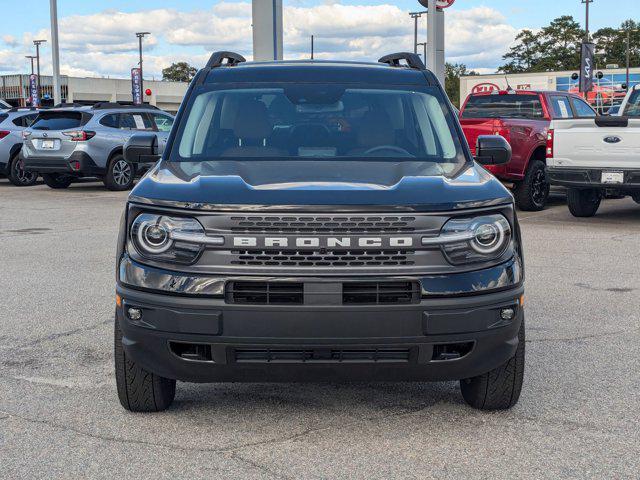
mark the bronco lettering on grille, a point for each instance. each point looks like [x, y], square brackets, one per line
[323, 242]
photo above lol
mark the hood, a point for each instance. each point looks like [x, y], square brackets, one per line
[270, 184]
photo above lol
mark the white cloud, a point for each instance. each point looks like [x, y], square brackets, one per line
[104, 43]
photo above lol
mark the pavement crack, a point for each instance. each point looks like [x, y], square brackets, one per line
[68, 333]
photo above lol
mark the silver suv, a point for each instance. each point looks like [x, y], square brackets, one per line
[12, 123]
[87, 141]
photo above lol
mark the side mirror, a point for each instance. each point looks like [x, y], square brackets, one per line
[492, 150]
[142, 148]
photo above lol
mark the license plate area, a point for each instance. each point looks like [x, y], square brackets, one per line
[612, 177]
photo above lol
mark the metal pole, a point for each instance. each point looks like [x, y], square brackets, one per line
[415, 16]
[55, 53]
[587, 2]
[31, 57]
[628, 57]
[311, 47]
[140, 36]
[37, 43]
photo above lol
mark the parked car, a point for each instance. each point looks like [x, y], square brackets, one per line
[64, 144]
[595, 158]
[318, 221]
[12, 124]
[522, 117]
[4, 105]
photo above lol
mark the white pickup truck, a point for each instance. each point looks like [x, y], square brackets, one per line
[594, 157]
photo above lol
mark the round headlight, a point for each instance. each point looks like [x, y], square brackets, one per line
[154, 237]
[488, 238]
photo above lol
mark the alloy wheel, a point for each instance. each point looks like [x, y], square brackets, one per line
[122, 173]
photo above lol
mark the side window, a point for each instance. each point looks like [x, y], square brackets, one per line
[110, 121]
[163, 122]
[582, 108]
[135, 121]
[561, 107]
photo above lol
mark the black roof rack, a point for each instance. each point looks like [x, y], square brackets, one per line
[68, 105]
[109, 105]
[22, 109]
[217, 59]
[412, 60]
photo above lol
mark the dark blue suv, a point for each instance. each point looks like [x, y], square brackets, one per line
[318, 221]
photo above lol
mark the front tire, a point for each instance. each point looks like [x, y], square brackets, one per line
[583, 202]
[57, 180]
[17, 174]
[120, 174]
[500, 388]
[138, 389]
[532, 192]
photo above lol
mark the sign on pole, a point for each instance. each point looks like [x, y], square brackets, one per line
[33, 90]
[136, 86]
[586, 67]
[444, 3]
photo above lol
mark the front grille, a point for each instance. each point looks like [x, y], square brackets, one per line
[320, 355]
[380, 293]
[265, 293]
[323, 224]
[329, 258]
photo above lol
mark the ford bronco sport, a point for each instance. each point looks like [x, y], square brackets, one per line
[313, 221]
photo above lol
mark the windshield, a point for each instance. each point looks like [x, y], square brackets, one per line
[633, 105]
[503, 106]
[318, 122]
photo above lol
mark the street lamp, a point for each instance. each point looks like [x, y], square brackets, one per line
[140, 36]
[32, 58]
[37, 43]
[416, 16]
[424, 44]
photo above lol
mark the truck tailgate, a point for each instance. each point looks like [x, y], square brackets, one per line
[596, 143]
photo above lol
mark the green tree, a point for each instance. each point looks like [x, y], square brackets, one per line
[524, 55]
[453, 72]
[612, 44]
[560, 45]
[179, 72]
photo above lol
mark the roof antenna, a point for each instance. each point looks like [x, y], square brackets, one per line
[509, 89]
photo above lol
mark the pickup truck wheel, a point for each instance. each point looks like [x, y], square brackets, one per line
[500, 388]
[120, 174]
[56, 180]
[532, 192]
[17, 174]
[138, 389]
[583, 202]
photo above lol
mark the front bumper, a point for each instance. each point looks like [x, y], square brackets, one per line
[320, 342]
[592, 178]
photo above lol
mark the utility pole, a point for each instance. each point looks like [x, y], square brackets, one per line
[55, 53]
[628, 57]
[140, 36]
[37, 43]
[416, 16]
[311, 47]
[32, 58]
[586, 3]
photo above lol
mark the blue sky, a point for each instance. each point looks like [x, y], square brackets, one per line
[98, 42]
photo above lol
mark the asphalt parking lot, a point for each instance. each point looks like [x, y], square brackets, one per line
[60, 417]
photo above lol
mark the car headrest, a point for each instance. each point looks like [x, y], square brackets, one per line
[376, 129]
[252, 121]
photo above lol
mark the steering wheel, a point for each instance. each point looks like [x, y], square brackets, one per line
[391, 148]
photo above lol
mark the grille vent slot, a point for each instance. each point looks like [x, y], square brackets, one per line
[265, 293]
[323, 224]
[381, 293]
[335, 258]
[319, 355]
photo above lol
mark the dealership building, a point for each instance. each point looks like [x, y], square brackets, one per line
[14, 89]
[608, 90]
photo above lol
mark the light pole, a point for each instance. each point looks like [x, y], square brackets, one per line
[424, 58]
[312, 47]
[140, 36]
[37, 43]
[55, 52]
[587, 2]
[416, 16]
[32, 58]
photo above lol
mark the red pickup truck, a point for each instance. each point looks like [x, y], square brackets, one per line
[522, 117]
